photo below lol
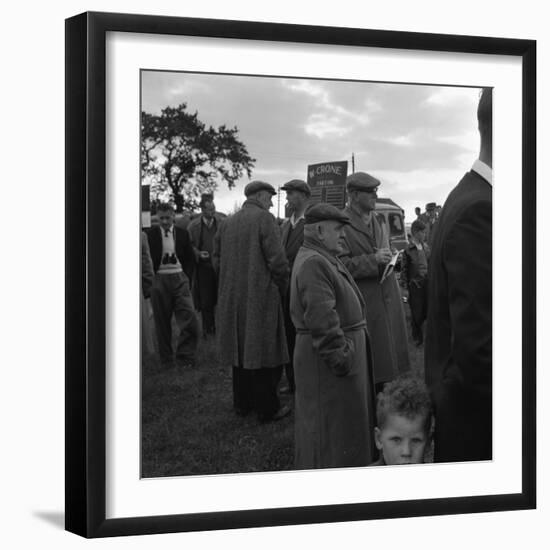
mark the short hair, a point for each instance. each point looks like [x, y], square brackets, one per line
[405, 396]
[485, 112]
[165, 207]
[417, 208]
[417, 225]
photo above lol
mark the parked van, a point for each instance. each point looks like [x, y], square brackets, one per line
[394, 217]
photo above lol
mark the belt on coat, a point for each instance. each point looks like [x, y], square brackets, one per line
[360, 325]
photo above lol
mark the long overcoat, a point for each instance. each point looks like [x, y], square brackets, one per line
[385, 313]
[334, 387]
[253, 273]
[205, 291]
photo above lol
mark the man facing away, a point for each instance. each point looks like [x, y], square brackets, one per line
[459, 345]
[253, 274]
[366, 254]
[173, 262]
[202, 230]
[292, 237]
[334, 385]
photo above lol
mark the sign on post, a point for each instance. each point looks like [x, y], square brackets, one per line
[328, 182]
[145, 206]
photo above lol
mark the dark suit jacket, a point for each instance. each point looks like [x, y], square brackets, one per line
[184, 249]
[292, 239]
[459, 345]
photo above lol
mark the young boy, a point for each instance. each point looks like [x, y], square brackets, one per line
[404, 422]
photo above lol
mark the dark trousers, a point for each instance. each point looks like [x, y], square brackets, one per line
[206, 295]
[208, 321]
[418, 302]
[171, 295]
[290, 342]
[256, 390]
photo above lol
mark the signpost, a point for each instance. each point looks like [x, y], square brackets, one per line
[328, 182]
[145, 206]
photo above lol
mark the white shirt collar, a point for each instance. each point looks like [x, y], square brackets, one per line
[294, 221]
[206, 222]
[484, 170]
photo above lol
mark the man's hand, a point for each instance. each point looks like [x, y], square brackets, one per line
[383, 256]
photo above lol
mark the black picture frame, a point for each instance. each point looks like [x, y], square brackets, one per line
[86, 263]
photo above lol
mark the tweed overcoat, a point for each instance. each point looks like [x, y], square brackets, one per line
[253, 274]
[385, 313]
[334, 388]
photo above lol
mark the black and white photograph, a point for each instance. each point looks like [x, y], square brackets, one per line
[295, 297]
[316, 273]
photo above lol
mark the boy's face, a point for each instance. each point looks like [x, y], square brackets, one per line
[402, 440]
[420, 236]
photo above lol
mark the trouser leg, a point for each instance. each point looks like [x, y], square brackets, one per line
[291, 344]
[264, 389]
[208, 323]
[418, 310]
[186, 319]
[161, 300]
[242, 390]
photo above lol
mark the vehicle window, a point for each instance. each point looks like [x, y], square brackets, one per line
[395, 224]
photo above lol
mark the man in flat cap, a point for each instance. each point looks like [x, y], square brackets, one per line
[429, 218]
[334, 389]
[366, 253]
[253, 274]
[202, 230]
[298, 193]
[459, 344]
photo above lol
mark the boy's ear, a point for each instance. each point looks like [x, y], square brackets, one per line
[377, 440]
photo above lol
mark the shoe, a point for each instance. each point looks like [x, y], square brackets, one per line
[283, 411]
[241, 412]
[185, 364]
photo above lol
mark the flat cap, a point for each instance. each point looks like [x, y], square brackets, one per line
[255, 186]
[323, 211]
[430, 206]
[297, 185]
[361, 181]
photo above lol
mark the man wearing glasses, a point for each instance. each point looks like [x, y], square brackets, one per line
[366, 254]
[173, 262]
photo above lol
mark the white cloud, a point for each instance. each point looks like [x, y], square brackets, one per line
[402, 141]
[451, 95]
[321, 126]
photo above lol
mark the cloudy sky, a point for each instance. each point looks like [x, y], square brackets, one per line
[418, 140]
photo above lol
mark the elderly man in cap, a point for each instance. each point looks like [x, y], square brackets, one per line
[292, 237]
[366, 253]
[334, 388]
[253, 274]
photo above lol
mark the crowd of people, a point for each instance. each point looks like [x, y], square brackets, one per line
[307, 300]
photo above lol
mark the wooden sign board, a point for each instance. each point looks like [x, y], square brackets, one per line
[328, 182]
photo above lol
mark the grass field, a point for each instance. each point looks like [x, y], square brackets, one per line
[189, 427]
